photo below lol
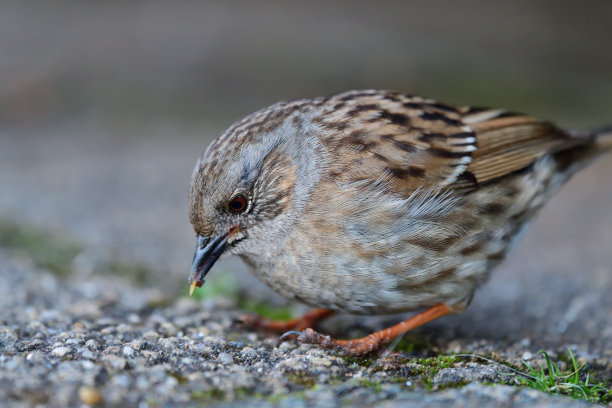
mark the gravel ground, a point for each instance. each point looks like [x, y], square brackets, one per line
[100, 340]
[95, 337]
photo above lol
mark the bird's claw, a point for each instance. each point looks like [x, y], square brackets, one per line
[309, 336]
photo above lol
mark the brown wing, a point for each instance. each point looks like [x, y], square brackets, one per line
[508, 142]
[413, 142]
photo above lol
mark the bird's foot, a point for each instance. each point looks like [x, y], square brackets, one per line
[309, 319]
[372, 342]
[356, 347]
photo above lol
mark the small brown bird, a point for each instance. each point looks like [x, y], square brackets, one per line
[375, 202]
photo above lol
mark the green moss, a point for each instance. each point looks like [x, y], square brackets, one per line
[276, 399]
[361, 361]
[431, 366]
[242, 393]
[208, 395]
[420, 371]
[264, 309]
[427, 382]
[607, 397]
[301, 379]
[411, 344]
[45, 249]
[182, 380]
[152, 402]
[217, 395]
[451, 385]
[374, 385]
[439, 362]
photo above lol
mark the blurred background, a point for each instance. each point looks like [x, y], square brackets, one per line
[105, 107]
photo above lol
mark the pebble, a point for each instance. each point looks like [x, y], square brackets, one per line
[113, 362]
[74, 342]
[319, 362]
[124, 328]
[248, 352]
[128, 351]
[470, 373]
[88, 365]
[133, 318]
[136, 345]
[150, 354]
[286, 346]
[168, 329]
[90, 395]
[92, 344]
[12, 364]
[7, 334]
[35, 356]
[112, 350]
[150, 335]
[169, 344]
[86, 353]
[61, 351]
[292, 364]
[225, 358]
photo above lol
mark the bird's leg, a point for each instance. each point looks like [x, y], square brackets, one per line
[373, 341]
[309, 319]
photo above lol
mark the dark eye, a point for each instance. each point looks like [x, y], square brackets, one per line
[238, 204]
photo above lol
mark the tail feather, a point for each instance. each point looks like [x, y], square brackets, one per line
[594, 144]
[603, 138]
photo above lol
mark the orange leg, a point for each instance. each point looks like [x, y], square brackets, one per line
[298, 324]
[372, 342]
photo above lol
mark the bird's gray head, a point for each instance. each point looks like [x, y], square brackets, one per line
[248, 186]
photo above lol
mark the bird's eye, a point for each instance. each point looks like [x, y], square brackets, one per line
[238, 204]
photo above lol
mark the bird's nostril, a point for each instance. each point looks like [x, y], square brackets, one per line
[202, 241]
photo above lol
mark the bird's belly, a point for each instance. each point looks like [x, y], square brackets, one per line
[370, 287]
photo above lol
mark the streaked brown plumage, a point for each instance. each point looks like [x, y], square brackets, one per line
[376, 202]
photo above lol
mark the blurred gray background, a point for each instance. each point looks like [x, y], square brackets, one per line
[105, 106]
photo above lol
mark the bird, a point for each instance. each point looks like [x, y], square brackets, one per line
[376, 202]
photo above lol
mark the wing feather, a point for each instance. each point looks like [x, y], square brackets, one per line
[508, 144]
[413, 143]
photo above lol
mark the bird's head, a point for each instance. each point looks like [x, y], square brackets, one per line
[248, 187]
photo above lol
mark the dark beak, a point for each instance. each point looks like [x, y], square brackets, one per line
[206, 254]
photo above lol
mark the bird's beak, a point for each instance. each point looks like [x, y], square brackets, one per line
[206, 254]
